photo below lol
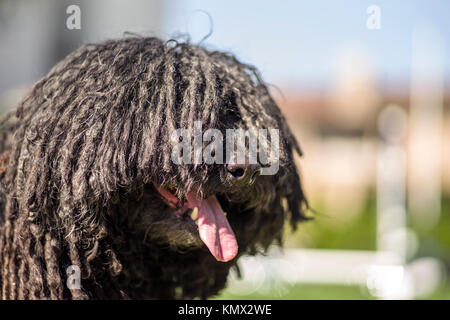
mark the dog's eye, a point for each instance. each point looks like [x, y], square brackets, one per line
[233, 114]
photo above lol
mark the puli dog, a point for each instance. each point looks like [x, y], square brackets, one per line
[87, 179]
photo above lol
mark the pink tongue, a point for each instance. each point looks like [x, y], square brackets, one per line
[213, 226]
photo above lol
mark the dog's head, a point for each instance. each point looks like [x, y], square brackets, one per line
[99, 158]
[222, 162]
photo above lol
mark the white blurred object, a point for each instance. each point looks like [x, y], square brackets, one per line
[385, 272]
[253, 276]
[382, 273]
[391, 182]
[426, 126]
[389, 282]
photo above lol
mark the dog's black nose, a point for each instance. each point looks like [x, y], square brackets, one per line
[244, 173]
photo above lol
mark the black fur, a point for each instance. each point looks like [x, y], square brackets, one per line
[82, 156]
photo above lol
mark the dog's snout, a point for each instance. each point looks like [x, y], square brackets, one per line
[247, 174]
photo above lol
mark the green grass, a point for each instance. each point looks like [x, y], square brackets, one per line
[322, 232]
[325, 292]
[442, 293]
[358, 235]
[306, 292]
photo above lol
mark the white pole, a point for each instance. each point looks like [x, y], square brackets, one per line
[391, 183]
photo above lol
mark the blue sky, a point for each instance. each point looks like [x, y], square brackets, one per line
[299, 41]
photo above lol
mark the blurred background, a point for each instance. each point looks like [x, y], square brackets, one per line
[364, 85]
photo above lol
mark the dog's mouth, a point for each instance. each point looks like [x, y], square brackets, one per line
[210, 219]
